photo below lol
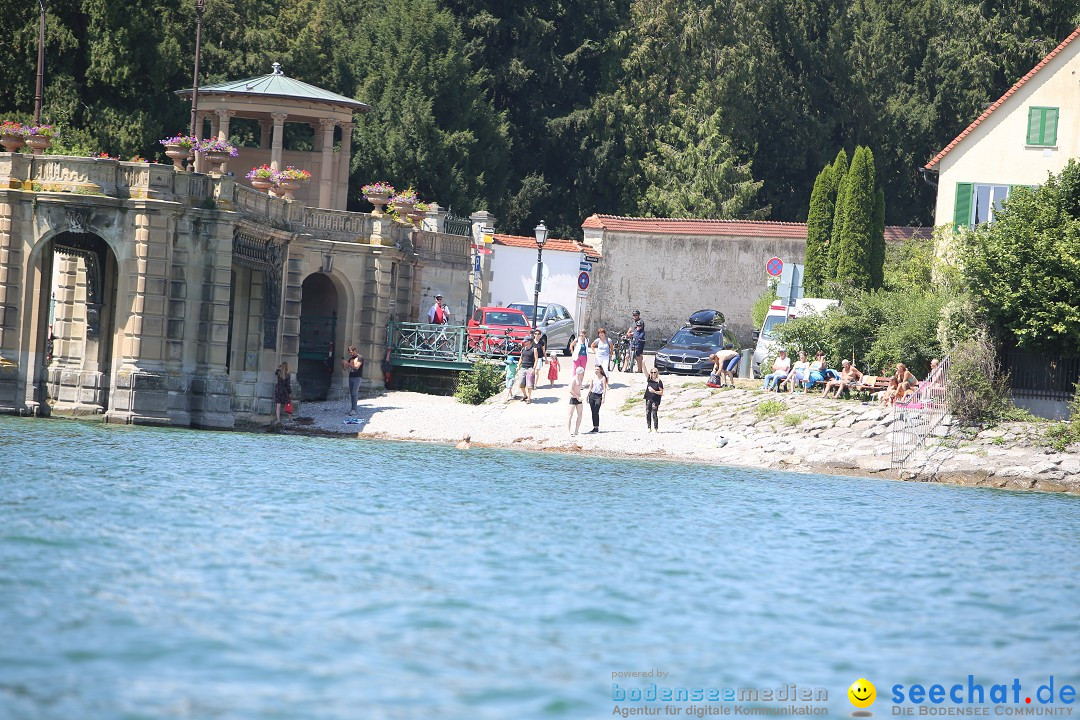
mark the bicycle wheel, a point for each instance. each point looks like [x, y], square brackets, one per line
[613, 361]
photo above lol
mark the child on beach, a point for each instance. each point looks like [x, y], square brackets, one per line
[553, 369]
[511, 372]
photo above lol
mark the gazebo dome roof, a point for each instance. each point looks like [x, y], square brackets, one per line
[279, 85]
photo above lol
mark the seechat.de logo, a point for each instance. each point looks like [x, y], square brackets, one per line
[862, 694]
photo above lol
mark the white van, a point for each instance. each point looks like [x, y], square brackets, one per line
[778, 315]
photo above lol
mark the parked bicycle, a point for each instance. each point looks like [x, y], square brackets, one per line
[620, 358]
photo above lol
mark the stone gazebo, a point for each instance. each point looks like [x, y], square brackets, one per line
[274, 100]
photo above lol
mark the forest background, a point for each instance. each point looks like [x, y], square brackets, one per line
[556, 109]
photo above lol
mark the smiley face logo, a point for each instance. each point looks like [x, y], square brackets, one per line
[862, 693]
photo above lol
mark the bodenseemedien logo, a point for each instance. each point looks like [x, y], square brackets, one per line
[862, 694]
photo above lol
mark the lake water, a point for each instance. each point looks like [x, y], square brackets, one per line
[149, 573]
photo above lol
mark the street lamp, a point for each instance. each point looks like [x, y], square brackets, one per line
[40, 66]
[199, 7]
[541, 238]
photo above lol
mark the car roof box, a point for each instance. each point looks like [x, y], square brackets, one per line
[707, 317]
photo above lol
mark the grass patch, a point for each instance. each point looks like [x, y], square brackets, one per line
[793, 419]
[769, 408]
[1060, 435]
[998, 440]
[696, 403]
[630, 402]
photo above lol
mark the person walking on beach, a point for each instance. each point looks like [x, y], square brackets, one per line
[597, 395]
[553, 369]
[282, 390]
[354, 365]
[602, 347]
[572, 424]
[527, 369]
[511, 373]
[540, 341]
[580, 350]
[653, 390]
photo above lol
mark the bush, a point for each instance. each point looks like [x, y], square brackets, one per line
[1061, 435]
[477, 385]
[978, 390]
[769, 408]
[760, 308]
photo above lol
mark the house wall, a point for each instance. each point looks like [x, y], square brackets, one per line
[511, 278]
[668, 277]
[995, 151]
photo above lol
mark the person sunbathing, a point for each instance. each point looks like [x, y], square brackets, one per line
[907, 383]
[888, 396]
[849, 378]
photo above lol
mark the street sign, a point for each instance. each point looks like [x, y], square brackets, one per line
[476, 263]
[583, 280]
[488, 234]
[585, 266]
[775, 266]
[583, 294]
[790, 289]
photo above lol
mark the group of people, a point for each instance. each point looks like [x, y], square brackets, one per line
[806, 374]
[523, 369]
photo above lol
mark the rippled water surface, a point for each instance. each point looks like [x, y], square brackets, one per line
[179, 574]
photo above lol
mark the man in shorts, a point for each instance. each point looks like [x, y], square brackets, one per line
[636, 334]
[527, 369]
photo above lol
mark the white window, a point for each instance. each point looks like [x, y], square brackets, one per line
[987, 202]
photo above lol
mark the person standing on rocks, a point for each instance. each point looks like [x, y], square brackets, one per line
[597, 395]
[572, 424]
[282, 390]
[653, 390]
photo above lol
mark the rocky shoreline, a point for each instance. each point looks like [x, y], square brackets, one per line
[740, 427]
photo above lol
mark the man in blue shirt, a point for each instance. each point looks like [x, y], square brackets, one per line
[636, 333]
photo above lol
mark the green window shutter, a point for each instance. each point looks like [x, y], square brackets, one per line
[1050, 122]
[1034, 133]
[962, 208]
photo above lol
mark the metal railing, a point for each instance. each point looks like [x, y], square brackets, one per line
[914, 421]
[456, 225]
[448, 343]
[1041, 377]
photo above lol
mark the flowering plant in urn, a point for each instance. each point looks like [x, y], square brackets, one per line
[294, 174]
[216, 146]
[183, 142]
[382, 189]
[12, 135]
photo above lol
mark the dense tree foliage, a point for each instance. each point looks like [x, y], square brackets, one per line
[1024, 269]
[555, 110]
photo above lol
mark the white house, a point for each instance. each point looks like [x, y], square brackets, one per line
[1032, 130]
[512, 278]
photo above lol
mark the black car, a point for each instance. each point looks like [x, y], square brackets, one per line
[688, 350]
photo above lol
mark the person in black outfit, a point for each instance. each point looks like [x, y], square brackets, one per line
[653, 392]
[540, 341]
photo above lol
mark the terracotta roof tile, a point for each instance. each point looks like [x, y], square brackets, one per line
[552, 244]
[730, 228]
[677, 226]
[1009, 93]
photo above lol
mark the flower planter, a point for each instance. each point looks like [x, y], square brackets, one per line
[37, 143]
[379, 201]
[287, 186]
[216, 160]
[12, 143]
[178, 154]
[263, 184]
[417, 218]
[403, 209]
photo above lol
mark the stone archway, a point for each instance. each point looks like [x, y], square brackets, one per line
[319, 348]
[77, 333]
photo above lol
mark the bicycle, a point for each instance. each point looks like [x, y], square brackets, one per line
[620, 352]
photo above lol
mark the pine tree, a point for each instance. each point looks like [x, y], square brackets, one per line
[853, 249]
[818, 233]
[877, 244]
[839, 173]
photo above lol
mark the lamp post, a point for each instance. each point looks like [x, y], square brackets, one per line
[200, 5]
[541, 238]
[40, 65]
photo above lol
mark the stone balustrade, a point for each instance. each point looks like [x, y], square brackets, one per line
[102, 176]
[439, 247]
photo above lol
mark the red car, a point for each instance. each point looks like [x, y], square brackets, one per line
[498, 330]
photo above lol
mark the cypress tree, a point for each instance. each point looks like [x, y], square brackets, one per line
[818, 233]
[877, 245]
[839, 177]
[853, 248]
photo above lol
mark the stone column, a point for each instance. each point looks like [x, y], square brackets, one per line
[279, 139]
[224, 117]
[341, 199]
[480, 290]
[209, 287]
[199, 165]
[143, 385]
[326, 183]
[265, 127]
[16, 372]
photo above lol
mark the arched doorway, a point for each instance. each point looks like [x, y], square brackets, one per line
[77, 331]
[318, 344]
